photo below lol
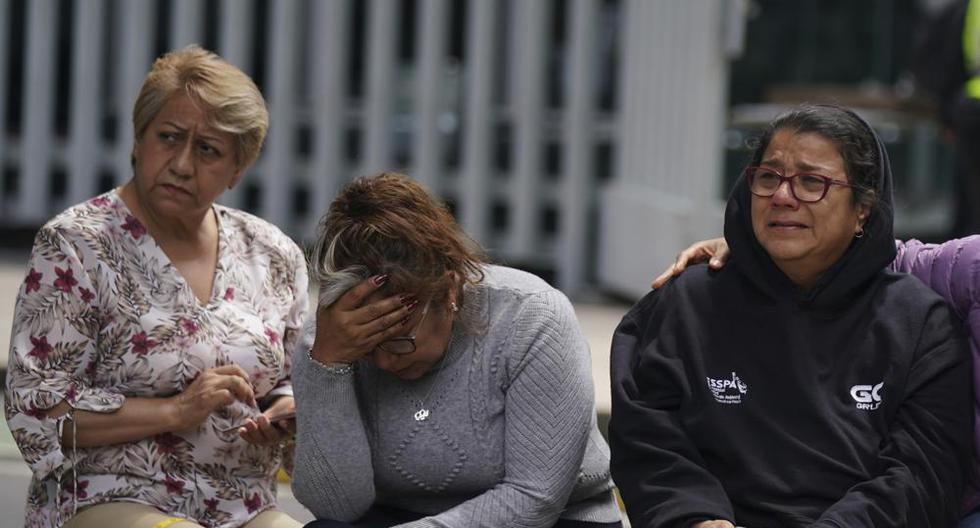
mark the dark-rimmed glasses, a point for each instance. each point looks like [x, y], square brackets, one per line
[805, 186]
[404, 345]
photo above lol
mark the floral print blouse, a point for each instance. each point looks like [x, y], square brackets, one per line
[103, 315]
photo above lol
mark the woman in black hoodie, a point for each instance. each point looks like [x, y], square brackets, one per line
[804, 384]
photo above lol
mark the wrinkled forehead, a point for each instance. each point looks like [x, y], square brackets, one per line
[185, 113]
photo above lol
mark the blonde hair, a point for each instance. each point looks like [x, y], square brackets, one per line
[230, 99]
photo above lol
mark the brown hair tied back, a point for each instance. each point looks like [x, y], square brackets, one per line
[388, 223]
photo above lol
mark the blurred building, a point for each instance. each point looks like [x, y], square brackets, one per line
[588, 140]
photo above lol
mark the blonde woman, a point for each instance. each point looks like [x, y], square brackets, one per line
[152, 322]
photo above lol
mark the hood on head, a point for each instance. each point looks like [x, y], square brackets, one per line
[864, 259]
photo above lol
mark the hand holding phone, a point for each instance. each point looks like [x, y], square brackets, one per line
[274, 420]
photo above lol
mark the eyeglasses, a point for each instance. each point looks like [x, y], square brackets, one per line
[805, 187]
[404, 345]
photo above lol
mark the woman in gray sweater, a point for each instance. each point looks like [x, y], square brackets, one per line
[437, 390]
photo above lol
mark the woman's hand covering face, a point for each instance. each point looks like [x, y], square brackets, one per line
[359, 321]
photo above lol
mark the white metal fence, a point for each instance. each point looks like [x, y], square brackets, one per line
[506, 108]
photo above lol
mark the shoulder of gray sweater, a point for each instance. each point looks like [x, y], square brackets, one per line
[530, 318]
[513, 280]
[522, 302]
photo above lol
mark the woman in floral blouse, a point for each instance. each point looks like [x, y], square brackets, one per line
[152, 324]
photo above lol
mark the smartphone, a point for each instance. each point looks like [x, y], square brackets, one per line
[273, 419]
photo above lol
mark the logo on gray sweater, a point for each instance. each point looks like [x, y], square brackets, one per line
[727, 390]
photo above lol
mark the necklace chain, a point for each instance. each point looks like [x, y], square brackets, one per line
[423, 413]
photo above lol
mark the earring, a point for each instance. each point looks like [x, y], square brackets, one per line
[859, 234]
[453, 308]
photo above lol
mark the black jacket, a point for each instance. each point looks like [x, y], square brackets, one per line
[736, 396]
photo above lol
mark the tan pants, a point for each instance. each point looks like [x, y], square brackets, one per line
[135, 515]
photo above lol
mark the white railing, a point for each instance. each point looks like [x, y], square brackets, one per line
[471, 113]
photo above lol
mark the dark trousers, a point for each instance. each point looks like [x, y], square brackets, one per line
[382, 517]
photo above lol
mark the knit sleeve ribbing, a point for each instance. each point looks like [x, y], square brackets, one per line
[334, 477]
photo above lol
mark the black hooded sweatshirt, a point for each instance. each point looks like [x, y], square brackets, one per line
[737, 396]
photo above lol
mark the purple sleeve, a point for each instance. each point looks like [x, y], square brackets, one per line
[952, 269]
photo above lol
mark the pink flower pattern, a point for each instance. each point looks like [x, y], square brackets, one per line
[71, 394]
[134, 227]
[111, 280]
[41, 348]
[189, 326]
[141, 344]
[86, 295]
[166, 443]
[33, 281]
[174, 486]
[66, 279]
[253, 503]
[78, 490]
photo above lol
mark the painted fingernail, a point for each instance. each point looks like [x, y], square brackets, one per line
[378, 280]
[411, 306]
[404, 321]
[407, 299]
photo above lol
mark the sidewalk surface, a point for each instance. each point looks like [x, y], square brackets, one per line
[598, 320]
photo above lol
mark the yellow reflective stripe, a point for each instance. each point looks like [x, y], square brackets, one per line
[167, 522]
[973, 87]
[971, 37]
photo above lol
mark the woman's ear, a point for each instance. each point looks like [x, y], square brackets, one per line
[863, 212]
[452, 302]
[236, 178]
[453, 296]
[133, 154]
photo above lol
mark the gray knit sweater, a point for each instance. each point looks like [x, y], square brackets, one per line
[511, 439]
